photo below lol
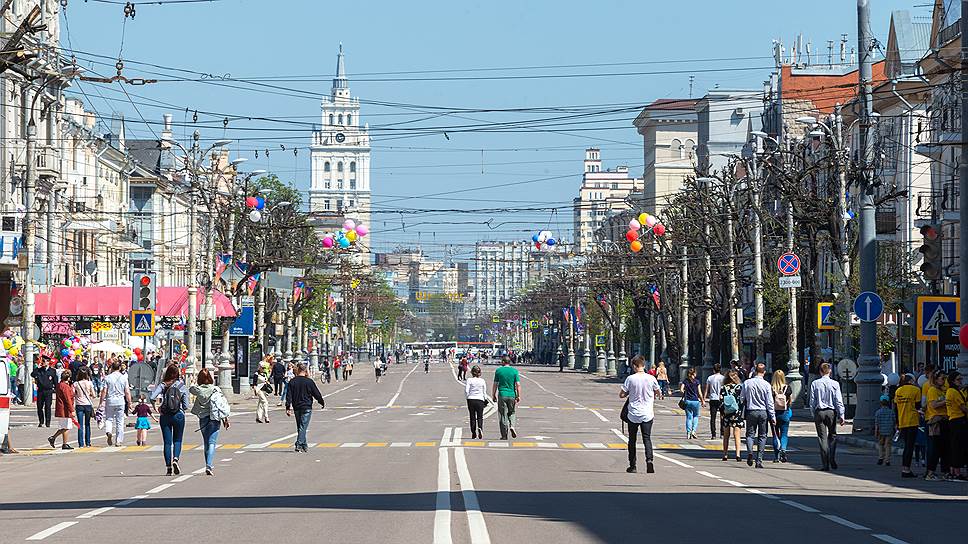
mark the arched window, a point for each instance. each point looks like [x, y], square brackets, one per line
[331, 118]
[353, 167]
[349, 119]
[341, 118]
[339, 166]
[689, 149]
[326, 167]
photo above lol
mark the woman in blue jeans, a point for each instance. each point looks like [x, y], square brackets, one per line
[172, 398]
[202, 408]
[693, 399]
[784, 412]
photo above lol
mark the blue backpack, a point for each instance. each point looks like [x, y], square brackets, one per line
[730, 404]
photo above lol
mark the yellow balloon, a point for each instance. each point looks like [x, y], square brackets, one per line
[643, 218]
[78, 352]
[14, 351]
[351, 236]
[7, 343]
[128, 352]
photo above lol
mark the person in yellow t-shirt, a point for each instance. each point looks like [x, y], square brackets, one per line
[956, 403]
[936, 417]
[926, 384]
[907, 399]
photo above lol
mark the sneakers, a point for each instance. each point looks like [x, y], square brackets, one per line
[749, 460]
[931, 477]
[110, 439]
[514, 433]
[174, 466]
[168, 472]
[759, 464]
[649, 467]
[631, 470]
[908, 475]
[783, 456]
[208, 472]
[66, 447]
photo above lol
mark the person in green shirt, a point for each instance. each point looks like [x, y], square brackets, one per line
[14, 390]
[507, 394]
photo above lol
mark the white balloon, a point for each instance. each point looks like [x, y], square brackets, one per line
[255, 216]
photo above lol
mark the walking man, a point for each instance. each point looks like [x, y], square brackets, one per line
[640, 388]
[714, 385]
[760, 413]
[278, 377]
[302, 391]
[827, 407]
[46, 379]
[507, 395]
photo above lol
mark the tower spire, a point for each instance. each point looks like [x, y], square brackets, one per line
[340, 81]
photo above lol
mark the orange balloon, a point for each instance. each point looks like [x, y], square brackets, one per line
[636, 246]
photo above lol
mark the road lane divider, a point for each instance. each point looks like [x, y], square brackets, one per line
[475, 518]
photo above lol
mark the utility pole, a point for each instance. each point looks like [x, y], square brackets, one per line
[192, 326]
[225, 360]
[868, 377]
[843, 299]
[28, 286]
[963, 185]
[707, 299]
[684, 317]
[731, 282]
[794, 377]
[758, 268]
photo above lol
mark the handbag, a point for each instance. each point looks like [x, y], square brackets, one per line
[266, 388]
[682, 404]
[624, 415]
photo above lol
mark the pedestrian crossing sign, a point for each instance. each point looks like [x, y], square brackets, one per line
[142, 323]
[932, 311]
[824, 315]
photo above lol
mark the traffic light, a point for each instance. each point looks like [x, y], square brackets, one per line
[931, 250]
[143, 291]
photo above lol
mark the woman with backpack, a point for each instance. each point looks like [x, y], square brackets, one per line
[172, 396]
[784, 413]
[731, 411]
[212, 410]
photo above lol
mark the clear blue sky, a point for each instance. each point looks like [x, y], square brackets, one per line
[294, 44]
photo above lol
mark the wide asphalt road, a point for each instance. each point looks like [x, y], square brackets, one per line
[393, 462]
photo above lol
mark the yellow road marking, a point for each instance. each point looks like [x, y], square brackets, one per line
[328, 445]
[572, 446]
[279, 446]
[616, 446]
[376, 445]
[425, 444]
[524, 444]
[473, 444]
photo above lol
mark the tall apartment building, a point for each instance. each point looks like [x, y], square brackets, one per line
[601, 191]
[669, 129]
[503, 269]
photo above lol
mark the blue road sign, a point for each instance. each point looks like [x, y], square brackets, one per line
[142, 323]
[825, 311]
[932, 311]
[868, 306]
[788, 264]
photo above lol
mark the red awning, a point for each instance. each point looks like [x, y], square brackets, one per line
[95, 301]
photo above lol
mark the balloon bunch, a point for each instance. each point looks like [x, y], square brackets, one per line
[73, 346]
[638, 227]
[544, 238]
[255, 204]
[12, 342]
[348, 236]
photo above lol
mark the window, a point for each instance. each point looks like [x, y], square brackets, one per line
[353, 166]
[349, 119]
[331, 118]
[351, 203]
[329, 184]
[326, 167]
[339, 166]
[341, 118]
[689, 150]
[353, 184]
[614, 186]
[339, 184]
[326, 204]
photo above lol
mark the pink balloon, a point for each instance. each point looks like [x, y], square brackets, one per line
[634, 224]
[251, 202]
[349, 224]
[659, 229]
[328, 242]
[362, 230]
[652, 221]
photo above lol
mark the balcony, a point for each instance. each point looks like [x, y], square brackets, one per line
[47, 162]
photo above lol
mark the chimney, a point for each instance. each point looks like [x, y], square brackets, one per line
[166, 132]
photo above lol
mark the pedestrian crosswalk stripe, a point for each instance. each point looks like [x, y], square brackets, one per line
[352, 445]
[547, 445]
[498, 445]
[400, 444]
[594, 445]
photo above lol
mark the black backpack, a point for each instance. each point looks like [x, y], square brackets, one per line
[171, 400]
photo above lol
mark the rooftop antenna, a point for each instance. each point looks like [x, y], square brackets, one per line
[691, 80]
[843, 48]
[830, 53]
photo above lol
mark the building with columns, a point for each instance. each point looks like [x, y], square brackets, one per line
[340, 158]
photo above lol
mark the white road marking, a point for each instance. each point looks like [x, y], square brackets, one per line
[475, 519]
[400, 444]
[763, 494]
[594, 445]
[226, 460]
[498, 445]
[400, 388]
[455, 441]
[159, 489]
[199, 471]
[182, 478]
[266, 444]
[51, 530]
[600, 416]
[732, 482]
[547, 445]
[338, 390]
[442, 515]
[445, 440]
[134, 499]
[889, 539]
[844, 522]
[800, 506]
[344, 418]
[707, 474]
[96, 512]
[352, 445]
[619, 434]
[671, 460]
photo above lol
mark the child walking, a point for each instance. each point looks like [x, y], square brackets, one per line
[143, 411]
[885, 425]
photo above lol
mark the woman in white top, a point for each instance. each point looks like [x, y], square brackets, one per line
[84, 406]
[475, 390]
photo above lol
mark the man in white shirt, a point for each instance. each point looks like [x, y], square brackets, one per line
[641, 389]
[714, 384]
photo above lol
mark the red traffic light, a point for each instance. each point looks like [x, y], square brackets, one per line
[929, 232]
[145, 281]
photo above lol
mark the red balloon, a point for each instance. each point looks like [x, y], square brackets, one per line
[631, 236]
[659, 229]
[537, 245]
[963, 336]
[251, 202]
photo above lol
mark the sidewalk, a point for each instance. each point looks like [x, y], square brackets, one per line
[846, 436]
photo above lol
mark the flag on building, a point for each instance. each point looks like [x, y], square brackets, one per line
[566, 314]
[654, 291]
[222, 262]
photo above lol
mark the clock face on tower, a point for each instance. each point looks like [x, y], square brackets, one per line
[340, 137]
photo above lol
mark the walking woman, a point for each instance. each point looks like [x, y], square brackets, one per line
[212, 410]
[662, 376]
[84, 406]
[936, 416]
[784, 412]
[174, 401]
[475, 390]
[731, 411]
[692, 400]
[262, 389]
[115, 396]
[63, 410]
[956, 398]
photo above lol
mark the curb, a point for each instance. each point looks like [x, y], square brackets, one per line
[865, 443]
